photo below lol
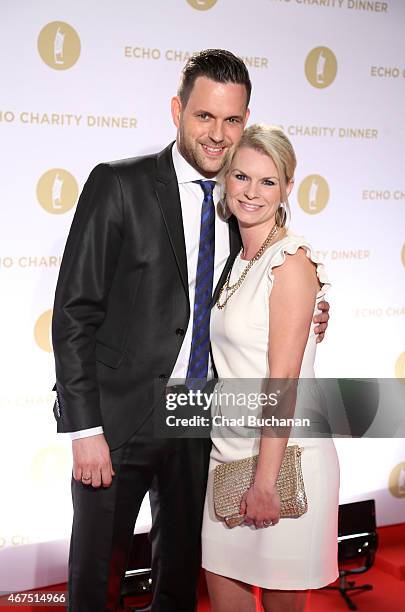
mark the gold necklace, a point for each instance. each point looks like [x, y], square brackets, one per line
[231, 289]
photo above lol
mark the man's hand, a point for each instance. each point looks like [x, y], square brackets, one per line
[323, 320]
[92, 462]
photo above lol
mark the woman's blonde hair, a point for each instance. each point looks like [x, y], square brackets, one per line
[271, 141]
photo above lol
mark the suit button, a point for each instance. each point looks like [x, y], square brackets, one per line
[180, 331]
[162, 376]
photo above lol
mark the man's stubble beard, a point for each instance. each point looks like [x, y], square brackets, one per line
[189, 149]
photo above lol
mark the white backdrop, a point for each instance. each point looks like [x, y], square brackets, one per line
[84, 83]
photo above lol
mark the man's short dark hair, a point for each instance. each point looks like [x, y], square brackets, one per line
[217, 64]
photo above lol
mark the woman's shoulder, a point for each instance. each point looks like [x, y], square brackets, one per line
[303, 253]
[290, 244]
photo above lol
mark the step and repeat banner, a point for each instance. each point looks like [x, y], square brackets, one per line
[88, 82]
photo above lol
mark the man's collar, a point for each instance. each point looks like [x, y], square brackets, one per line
[184, 171]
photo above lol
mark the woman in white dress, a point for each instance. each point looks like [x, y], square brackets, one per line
[261, 327]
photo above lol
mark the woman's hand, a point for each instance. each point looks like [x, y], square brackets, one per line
[261, 505]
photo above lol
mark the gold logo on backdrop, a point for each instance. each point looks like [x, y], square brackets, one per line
[57, 191]
[400, 367]
[42, 331]
[59, 45]
[313, 194]
[397, 480]
[321, 67]
[49, 464]
[202, 5]
[403, 255]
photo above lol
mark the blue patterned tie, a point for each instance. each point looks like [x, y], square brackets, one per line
[200, 341]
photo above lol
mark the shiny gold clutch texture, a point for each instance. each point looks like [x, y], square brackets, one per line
[233, 479]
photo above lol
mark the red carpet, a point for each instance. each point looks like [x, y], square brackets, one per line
[387, 577]
[388, 594]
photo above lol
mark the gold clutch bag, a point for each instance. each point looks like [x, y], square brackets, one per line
[233, 479]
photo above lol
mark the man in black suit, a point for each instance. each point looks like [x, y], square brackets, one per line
[123, 325]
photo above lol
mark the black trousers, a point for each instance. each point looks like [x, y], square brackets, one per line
[175, 472]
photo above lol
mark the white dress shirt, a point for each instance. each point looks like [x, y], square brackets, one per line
[191, 199]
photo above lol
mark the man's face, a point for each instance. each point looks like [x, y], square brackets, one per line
[210, 123]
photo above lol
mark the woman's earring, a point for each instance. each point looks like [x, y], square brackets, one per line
[283, 214]
[226, 213]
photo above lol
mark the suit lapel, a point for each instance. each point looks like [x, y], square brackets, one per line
[167, 191]
[235, 244]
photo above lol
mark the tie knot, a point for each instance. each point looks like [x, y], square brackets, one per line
[207, 187]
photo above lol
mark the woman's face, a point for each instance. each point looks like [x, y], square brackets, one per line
[253, 187]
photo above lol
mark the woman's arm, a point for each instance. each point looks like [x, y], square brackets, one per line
[291, 308]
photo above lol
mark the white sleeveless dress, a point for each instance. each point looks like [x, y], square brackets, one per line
[298, 553]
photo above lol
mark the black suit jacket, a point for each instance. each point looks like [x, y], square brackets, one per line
[121, 305]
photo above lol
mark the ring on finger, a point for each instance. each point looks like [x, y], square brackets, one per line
[267, 523]
[86, 477]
